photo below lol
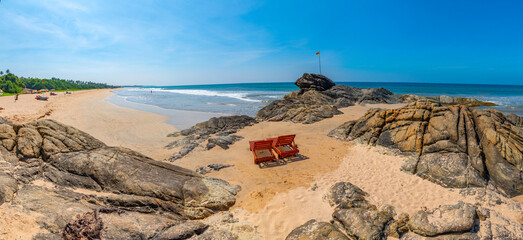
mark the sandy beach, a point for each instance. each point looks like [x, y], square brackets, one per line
[276, 199]
[89, 111]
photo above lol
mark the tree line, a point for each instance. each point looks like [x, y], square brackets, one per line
[11, 83]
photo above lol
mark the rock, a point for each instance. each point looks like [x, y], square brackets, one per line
[345, 195]
[446, 219]
[216, 235]
[355, 215]
[69, 180]
[447, 100]
[310, 105]
[222, 127]
[88, 225]
[8, 187]
[360, 223]
[314, 230]
[218, 166]
[223, 141]
[204, 170]
[454, 146]
[399, 226]
[209, 168]
[451, 236]
[183, 231]
[314, 81]
[515, 119]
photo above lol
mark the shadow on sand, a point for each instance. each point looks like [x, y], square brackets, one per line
[284, 161]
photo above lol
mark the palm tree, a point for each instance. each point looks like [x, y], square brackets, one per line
[7, 71]
[1, 73]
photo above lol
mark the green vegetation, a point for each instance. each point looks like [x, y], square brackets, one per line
[10, 83]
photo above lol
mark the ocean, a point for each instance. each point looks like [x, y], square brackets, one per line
[248, 98]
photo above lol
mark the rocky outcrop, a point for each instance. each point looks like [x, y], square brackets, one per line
[314, 82]
[446, 100]
[217, 131]
[455, 146]
[319, 98]
[355, 218]
[67, 177]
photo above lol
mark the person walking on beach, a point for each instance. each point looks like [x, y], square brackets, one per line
[16, 97]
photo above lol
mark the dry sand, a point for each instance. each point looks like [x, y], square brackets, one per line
[276, 199]
[89, 111]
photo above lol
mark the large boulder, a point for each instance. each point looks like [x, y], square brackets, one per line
[314, 81]
[446, 219]
[454, 146]
[314, 230]
[66, 176]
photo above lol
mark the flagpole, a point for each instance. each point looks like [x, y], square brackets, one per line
[319, 61]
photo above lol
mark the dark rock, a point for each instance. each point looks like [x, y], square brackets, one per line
[399, 226]
[8, 187]
[446, 219]
[447, 100]
[84, 226]
[218, 166]
[309, 106]
[515, 119]
[222, 127]
[361, 223]
[345, 195]
[133, 196]
[314, 230]
[204, 170]
[454, 146]
[318, 99]
[314, 81]
[223, 141]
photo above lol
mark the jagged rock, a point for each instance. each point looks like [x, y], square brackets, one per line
[8, 187]
[204, 170]
[317, 100]
[399, 226]
[88, 225]
[314, 81]
[447, 100]
[345, 195]
[451, 236]
[355, 215]
[222, 127]
[216, 235]
[136, 196]
[454, 146]
[515, 119]
[223, 141]
[362, 223]
[314, 230]
[446, 219]
[219, 124]
[209, 168]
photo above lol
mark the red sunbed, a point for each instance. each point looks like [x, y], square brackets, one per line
[284, 146]
[262, 151]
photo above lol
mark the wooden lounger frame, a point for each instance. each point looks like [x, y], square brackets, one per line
[281, 141]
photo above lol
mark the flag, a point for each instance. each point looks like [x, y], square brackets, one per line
[318, 53]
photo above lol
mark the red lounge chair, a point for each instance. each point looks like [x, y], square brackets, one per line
[262, 151]
[285, 146]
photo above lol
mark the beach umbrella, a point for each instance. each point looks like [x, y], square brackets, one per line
[52, 90]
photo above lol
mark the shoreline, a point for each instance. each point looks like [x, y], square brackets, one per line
[181, 119]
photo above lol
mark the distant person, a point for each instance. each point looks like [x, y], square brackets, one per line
[16, 97]
[151, 91]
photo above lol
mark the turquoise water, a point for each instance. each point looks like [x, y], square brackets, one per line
[248, 98]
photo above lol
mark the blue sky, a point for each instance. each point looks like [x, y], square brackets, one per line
[199, 42]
